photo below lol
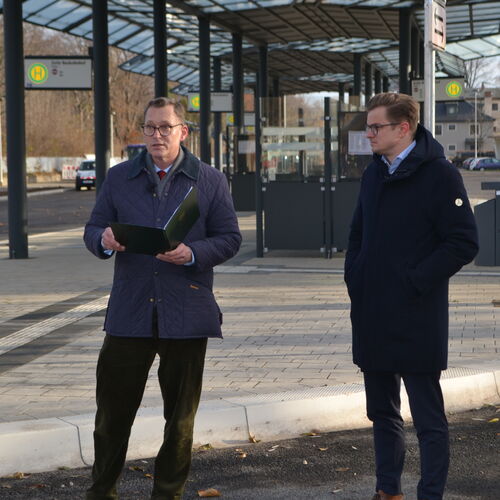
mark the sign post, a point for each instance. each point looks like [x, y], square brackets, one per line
[435, 39]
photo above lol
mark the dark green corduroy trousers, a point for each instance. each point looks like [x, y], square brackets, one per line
[122, 373]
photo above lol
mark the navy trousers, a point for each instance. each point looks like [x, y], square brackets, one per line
[427, 409]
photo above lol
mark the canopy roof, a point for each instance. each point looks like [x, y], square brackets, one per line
[294, 30]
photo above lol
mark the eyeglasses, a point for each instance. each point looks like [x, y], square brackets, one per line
[164, 130]
[377, 126]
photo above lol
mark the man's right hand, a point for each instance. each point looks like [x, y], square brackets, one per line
[109, 243]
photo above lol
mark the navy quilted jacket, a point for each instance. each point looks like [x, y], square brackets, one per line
[182, 295]
[410, 233]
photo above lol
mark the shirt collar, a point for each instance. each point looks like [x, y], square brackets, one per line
[399, 158]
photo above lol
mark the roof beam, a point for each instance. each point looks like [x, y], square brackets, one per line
[194, 11]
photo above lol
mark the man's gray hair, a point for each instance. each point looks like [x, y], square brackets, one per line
[161, 102]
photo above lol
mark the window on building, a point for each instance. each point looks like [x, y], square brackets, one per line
[452, 108]
[494, 106]
[473, 130]
[451, 126]
[452, 147]
[438, 129]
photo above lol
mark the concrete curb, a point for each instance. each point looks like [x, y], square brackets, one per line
[46, 444]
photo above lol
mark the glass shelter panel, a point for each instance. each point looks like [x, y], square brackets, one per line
[292, 139]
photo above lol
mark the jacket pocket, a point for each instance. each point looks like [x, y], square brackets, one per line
[202, 315]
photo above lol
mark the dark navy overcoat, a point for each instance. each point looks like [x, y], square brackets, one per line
[410, 233]
[182, 295]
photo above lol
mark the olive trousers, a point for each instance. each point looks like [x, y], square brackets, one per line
[122, 373]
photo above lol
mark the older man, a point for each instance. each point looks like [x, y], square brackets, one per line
[412, 230]
[159, 305]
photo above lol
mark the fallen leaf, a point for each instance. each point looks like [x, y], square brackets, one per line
[493, 420]
[136, 467]
[341, 469]
[19, 475]
[205, 447]
[252, 439]
[211, 492]
[354, 447]
[6, 486]
[311, 434]
[242, 455]
[276, 446]
[304, 462]
[63, 467]
[322, 449]
[149, 476]
[336, 491]
[39, 486]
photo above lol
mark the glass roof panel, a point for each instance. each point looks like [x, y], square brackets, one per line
[71, 18]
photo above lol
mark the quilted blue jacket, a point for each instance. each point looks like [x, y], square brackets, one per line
[182, 295]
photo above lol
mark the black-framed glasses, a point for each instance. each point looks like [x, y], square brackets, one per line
[377, 126]
[165, 130]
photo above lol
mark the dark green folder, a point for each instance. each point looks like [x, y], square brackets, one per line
[152, 240]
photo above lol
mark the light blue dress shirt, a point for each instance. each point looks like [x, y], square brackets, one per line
[397, 161]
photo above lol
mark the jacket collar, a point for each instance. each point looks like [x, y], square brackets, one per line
[411, 163]
[190, 165]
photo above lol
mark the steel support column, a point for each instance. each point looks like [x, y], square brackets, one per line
[262, 91]
[357, 75]
[101, 90]
[341, 93]
[415, 53]
[368, 81]
[276, 87]
[328, 178]
[385, 84]
[16, 144]
[404, 50]
[237, 83]
[160, 50]
[217, 116]
[204, 55]
[377, 76]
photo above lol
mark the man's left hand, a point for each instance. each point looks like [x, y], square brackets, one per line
[180, 256]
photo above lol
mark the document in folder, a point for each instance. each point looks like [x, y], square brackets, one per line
[152, 240]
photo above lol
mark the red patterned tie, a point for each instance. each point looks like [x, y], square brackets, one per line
[161, 174]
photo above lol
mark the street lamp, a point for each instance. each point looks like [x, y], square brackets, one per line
[112, 133]
[475, 123]
[1, 150]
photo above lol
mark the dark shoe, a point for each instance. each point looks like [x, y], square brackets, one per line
[384, 496]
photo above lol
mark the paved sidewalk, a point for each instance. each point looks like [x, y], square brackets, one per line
[283, 367]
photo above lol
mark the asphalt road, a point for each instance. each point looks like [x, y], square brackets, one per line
[320, 467]
[53, 211]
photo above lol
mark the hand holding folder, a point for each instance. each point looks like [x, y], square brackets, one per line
[152, 240]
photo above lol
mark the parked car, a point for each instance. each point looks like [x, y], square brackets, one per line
[485, 164]
[85, 175]
[466, 163]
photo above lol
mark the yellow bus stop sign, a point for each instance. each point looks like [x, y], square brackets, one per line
[193, 102]
[454, 89]
[38, 73]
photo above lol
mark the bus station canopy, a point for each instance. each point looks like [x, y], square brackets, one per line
[310, 43]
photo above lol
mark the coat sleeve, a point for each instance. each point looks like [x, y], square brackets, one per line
[223, 235]
[102, 214]
[455, 225]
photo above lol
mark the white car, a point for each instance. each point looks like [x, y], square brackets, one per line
[85, 175]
